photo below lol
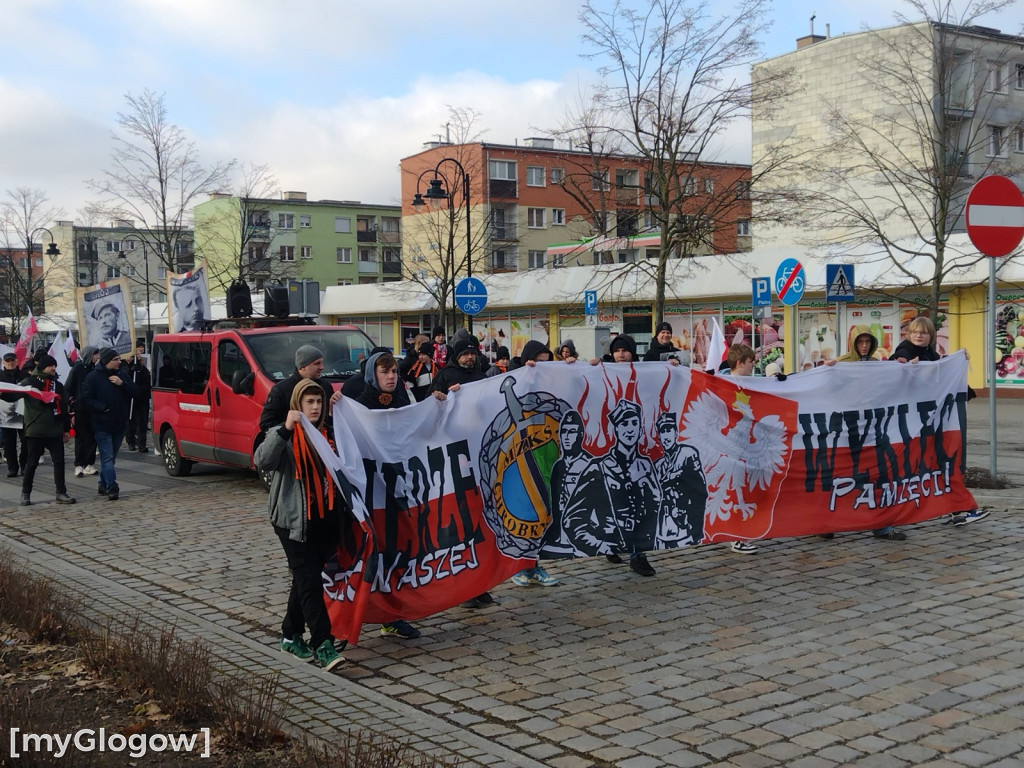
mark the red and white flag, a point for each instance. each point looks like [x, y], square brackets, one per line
[28, 332]
[70, 350]
[716, 348]
[56, 351]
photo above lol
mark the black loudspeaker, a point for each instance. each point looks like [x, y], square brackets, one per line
[275, 301]
[239, 300]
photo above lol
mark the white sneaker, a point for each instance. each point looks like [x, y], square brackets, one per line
[742, 547]
[89, 470]
[79, 471]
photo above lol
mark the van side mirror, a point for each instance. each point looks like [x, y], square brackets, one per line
[243, 384]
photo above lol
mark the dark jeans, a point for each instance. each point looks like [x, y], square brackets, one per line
[13, 453]
[34, 447]
[306, 597]
[108, 443]
[85, 440]
[135, 434]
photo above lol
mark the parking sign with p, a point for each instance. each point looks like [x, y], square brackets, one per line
[761, 290]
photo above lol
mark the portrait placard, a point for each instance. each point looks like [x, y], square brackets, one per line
[188, 299]
[106, 317]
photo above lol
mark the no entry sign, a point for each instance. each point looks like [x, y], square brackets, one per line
[995, 216]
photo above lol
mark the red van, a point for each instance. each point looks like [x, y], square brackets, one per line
[209, 386]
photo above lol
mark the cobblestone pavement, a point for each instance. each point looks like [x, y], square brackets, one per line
[810, 653]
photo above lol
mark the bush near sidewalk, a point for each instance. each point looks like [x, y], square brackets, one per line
[175, 678]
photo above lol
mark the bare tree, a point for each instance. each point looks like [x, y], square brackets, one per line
[23, 273]
[675, 80]
[449, 256]
[155, 178]
[895, 177]
[237, 237]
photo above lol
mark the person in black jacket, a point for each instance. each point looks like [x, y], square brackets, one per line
[309, 364]
[353, 386]
[107, 391]
[47, 427]
[12, 422]
[662, 348]
[85, 440]
[417, 370]
[138, 411]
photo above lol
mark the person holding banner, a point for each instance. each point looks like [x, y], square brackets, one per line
[47, 428]
[303, 506]
[12, 421]
[463, 368]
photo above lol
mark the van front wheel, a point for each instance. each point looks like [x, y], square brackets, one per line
[176, 466]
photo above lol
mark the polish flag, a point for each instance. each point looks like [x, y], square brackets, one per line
[70, 350]
[56, 351]
[25, 341]
[716, 348]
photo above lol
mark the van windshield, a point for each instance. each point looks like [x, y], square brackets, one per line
[343, 350]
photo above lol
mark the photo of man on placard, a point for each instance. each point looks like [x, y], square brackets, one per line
[188, 300]
[105, 316]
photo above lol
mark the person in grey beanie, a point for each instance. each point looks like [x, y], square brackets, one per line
[309, 364]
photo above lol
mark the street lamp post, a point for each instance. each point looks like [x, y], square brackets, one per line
[436, 192]
[52, 250]
[145, 260]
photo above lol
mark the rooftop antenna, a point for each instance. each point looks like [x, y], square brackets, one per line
[813, 17]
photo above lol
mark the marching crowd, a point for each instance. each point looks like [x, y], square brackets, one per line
[102, 402]
[105, 402]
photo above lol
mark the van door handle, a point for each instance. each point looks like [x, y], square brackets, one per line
[216, 395]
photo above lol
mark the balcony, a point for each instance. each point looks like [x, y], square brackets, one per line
[393, 267]
[503, 188]
[366, 236]
[627, 196]
[259, 266]
[389, 238]
[506, 232]
[372, 267]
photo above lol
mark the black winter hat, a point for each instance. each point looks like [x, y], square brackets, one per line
[426, 348]
[107, 354]
[663, 327]
[623, 341]
[44, 361]
[465, 345]
[503, 354]
[438, 331]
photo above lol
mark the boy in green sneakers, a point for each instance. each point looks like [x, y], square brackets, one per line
[304, 512]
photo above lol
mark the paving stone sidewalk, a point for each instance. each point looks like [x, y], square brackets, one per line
[852, 651]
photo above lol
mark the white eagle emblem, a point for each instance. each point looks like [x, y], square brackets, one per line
[745, 456]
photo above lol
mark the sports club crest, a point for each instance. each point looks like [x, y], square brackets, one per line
[517, 452]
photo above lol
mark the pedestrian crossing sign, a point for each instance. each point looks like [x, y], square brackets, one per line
[839, 279]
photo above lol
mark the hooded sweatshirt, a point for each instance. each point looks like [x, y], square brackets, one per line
[372, 397]
[859, 331]
[530, 352]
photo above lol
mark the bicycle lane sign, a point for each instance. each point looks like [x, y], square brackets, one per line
[470, 295]
[789, 282]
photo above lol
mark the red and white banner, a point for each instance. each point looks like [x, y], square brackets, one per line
[28, 332]
[563, 460]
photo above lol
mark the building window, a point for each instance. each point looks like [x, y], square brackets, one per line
[503, 169]
[536, 259]
[304, 220]
[161, 273]
[742, 190]
[599, 182]
[558, 217]
[258, 219]
[557, 175]
[23, 262]
[996, 81]
[129, 245]
[286, 221]
[535, 218]
[113, 273]
[37, 261]
[558, 261]
[342, 225]
[689, 185]
[366, 255]
[709, 185]
[344, 256]
[535, 176]
[306, 251]
[129, 271]
[996, 145]
[113, 246]
[287, 253]
[390, 224]
[743, 227]
[344, 281]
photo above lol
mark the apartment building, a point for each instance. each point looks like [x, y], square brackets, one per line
[535, 205]
[334, 242]
[93, 253]
[939, 105]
